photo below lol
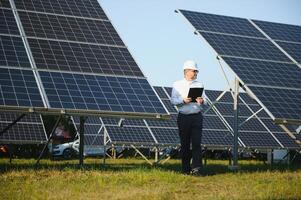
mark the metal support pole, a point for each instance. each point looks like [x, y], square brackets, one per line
[104, 146]
[49, 138]
[156, 154]
[11, 124]
[234, 165]
[81, 140]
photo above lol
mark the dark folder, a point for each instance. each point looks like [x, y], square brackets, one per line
[194, 93]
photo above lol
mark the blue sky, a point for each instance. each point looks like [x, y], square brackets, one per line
[161, 40]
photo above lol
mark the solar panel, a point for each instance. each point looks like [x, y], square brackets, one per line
[13, 53]
[76, 57]
[168, 90]
[166, 135]
[5, 4]
[126, 122]
[172, 122]
[80, 8]
[293, 49]
[255, 48]
[266, 73]
[278, 31]
[252, 132]
[261, 66]
[217, 138]
[19, 88]
[80, 91]
[79, 57]
[161, 92]
[221, 24]
[29, 129]
[283, 103]
[8, 24]
[286, 140]
[69, 28]
[257, 139]
[130, 135]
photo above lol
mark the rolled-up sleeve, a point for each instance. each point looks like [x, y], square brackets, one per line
[176, 98]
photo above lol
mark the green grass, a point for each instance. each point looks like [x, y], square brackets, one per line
[135, 179]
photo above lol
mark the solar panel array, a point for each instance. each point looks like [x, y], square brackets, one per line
[29, 130]
[165, 132]
[264, 55]
[255, 132]
[66, 55]
[216, 126]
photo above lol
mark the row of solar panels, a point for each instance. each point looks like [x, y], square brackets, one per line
[265, 56]
[66, 56]
[217, 132]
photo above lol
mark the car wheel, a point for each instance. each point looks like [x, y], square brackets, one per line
[67, 154]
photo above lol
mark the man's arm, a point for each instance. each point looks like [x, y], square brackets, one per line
[176, 98]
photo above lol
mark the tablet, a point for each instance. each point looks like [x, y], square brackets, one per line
[194, 93]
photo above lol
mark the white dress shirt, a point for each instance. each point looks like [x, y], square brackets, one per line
[180, 91]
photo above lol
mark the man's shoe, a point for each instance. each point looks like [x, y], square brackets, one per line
[196, 172]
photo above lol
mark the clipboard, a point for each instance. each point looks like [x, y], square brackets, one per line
[194, 93]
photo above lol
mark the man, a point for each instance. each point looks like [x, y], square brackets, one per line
[190, 118]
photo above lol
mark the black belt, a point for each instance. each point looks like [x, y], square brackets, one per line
[190, 114]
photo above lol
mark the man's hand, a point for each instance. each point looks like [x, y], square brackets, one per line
[187, 100]
[199, 100]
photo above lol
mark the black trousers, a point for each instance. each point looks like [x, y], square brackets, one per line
[190, 131]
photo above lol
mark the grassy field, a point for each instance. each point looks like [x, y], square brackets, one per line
[135, 179]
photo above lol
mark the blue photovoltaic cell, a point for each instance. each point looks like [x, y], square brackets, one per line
[168, 90]
[80, 8]
[5, 4]
[228, 110]
[78, 91]
[166, 135]
[8, 24]
[266, 73]
[69, 28]
[258, 139]
[13, 52]
[161, 93]
[19, 88]
[28, 130]
[293, 49]
[286, 140]
[282, 103]
[130, 135]
[217, 138]
[221, 24]
[78, 57]
[226, 45]
[278, 31]
[213, 122]
[169, 106]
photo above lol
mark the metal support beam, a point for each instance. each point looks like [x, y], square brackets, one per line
[49, 138]
[234, 165]
[141, 154]
[11, 124]
[81, 140]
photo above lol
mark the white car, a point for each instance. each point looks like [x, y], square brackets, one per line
[66, 150]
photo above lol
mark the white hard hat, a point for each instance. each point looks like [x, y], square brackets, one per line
[190, 64]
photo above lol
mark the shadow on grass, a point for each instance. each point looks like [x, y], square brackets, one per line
[134, 164]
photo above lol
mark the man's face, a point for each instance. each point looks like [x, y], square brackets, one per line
[191, 74]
